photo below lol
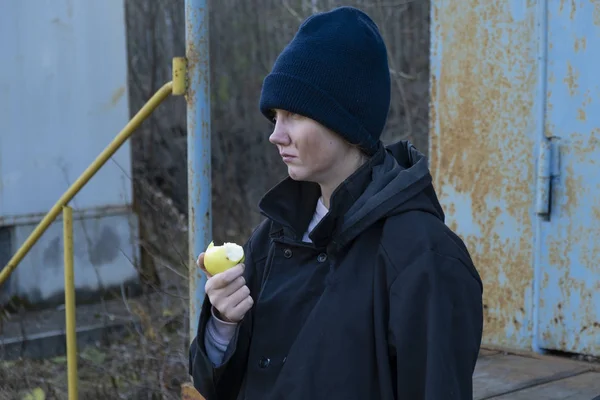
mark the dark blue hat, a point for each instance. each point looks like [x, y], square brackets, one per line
[334, 71]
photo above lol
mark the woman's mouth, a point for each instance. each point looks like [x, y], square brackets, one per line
[287, 157]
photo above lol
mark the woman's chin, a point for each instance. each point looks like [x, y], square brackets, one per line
[297, 174]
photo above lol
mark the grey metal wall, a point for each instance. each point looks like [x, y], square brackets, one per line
[63, 97]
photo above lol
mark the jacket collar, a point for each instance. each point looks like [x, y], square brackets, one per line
[291, 204]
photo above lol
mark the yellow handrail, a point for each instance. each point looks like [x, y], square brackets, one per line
[71, 332]
[131, 126]
[177, 86]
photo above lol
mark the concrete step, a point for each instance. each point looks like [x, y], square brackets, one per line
[41, 334]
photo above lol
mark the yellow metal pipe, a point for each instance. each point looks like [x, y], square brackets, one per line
[70, 303]
[131, 126]
[179, 76]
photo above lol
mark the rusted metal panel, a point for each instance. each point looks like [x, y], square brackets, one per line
[569, 262]
[484, 122]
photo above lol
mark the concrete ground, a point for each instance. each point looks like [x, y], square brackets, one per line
[503, 376]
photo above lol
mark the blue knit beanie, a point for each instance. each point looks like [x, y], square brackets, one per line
[334, 71]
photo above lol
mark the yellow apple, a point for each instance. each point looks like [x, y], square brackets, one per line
[220, 258]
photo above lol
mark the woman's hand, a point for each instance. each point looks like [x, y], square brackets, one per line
[228, 292]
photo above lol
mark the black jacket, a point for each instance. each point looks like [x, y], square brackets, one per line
[384, 304]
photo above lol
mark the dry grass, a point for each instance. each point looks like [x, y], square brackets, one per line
[150, 360]
[136, 367]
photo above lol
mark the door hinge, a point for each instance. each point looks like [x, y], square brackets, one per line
[548, 169]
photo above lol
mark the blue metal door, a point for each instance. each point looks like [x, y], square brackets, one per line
[568, 193]
[485, 119]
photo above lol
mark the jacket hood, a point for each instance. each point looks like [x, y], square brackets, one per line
[395, 180]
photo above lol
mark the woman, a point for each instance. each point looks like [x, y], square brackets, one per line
[353, 287]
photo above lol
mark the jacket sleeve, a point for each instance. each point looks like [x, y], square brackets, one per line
[224, 381]
[435, 328]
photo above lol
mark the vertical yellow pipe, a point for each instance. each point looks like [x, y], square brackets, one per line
[70, 302]
[179, 76]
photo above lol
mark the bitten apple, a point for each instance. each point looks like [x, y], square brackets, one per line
[220, 258]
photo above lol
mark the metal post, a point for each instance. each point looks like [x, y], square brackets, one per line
[198, 149]
[70, 303]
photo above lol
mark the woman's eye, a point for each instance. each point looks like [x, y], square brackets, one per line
[285, 114]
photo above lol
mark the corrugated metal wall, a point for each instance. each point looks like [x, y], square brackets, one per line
[509, 79]
[63, 97]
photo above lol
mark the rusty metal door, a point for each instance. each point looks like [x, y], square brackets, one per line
[485, 117]
[568, 191]
[515, 155]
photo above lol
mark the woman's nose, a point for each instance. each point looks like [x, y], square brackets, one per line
[279, 136]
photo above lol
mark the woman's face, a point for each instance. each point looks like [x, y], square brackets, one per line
[311, 151]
